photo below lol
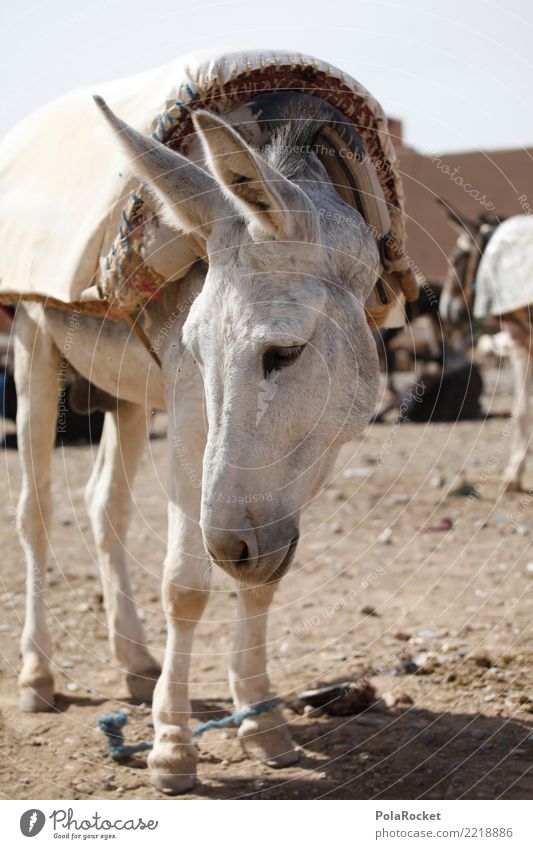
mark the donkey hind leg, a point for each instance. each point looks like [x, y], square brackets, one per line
[108, 499]
[266, 736]
[522, 364]
[37, 363]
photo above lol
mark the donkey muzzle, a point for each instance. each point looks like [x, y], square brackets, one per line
[253, 555]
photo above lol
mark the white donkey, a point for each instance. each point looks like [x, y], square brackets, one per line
[491, 274]
[281, 300]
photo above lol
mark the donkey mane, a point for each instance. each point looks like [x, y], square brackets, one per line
[294, 136]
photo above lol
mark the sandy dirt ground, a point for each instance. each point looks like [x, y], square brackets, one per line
[439, 620]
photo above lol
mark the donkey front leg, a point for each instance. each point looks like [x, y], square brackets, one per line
[185, 591]
[36, 375]
[522, 364]
[266, 736]
[108, 498]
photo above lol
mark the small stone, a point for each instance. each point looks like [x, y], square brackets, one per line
[361, 472]
[406, 666]
[432, 633]
[442, 526]
[482, 659]
[428, 737]
[338, 495]
[449, 645]
[465, 490]
[72, 687]
[373, 721]
[426, 663]
[529, 568]
[404, 636]
[309, 710]
[368, 610]
[385, 537]
[390, 699]
[24, 781]
[397, 698]
[478, 734]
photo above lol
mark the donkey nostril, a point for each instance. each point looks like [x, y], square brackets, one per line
[231, 549]
[245, 555]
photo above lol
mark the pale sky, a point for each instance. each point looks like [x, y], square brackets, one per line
[458, 73]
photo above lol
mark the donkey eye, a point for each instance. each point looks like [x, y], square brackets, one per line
[277, 358]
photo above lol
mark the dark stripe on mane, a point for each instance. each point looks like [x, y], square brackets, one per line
[294, 136]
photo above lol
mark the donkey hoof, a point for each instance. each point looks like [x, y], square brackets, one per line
[141, 684]
[173, 784]
[172, 775]
[268, 739]
[37, 698]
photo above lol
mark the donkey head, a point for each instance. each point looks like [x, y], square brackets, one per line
[279, 330]
[457, 301]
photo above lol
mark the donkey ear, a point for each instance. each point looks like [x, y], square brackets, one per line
[459, 222]
[258, 190]
[190, 198]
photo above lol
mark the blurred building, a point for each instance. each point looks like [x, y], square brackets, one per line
[492, 182]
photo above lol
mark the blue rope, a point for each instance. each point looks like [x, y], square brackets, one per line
[236, 718]
[111, 724]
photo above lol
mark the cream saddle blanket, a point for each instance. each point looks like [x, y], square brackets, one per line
[77, 228]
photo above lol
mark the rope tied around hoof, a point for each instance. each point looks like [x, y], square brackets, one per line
[111, 724]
